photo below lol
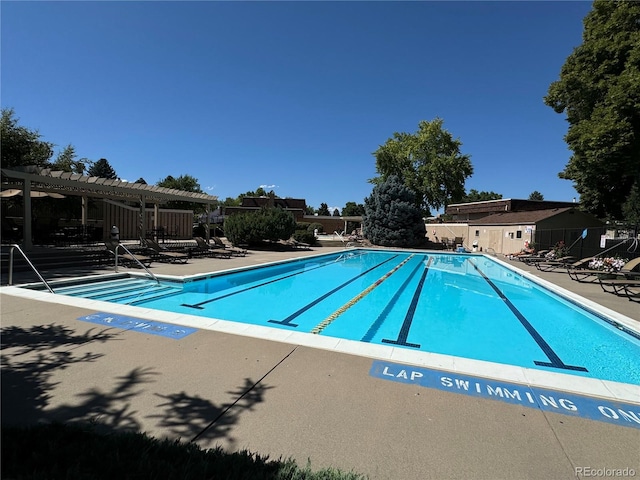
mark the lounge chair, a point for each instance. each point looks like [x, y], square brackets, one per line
[629, 269]
[238, 252]
[530, 259]
[618, 286]
[292, 242]
[632, 292]
[124, 256]
[627, 277]
[203, 248]
[552, 265]
[161, 254]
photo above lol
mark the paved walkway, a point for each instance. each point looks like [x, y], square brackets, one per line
[287, 400]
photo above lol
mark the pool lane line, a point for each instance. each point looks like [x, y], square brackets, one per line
[408, 319]
[327, 321]
[554, 359]
[199, 304]
[375, 326]
[287, 321]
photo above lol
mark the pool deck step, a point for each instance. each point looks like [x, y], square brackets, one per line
[120, 291]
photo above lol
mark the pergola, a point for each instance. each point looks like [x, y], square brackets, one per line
[33, 181]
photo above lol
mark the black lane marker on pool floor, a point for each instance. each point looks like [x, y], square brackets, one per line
[199, 305]
[375, 326]
[287, 321]
[408, 319]
[555, 360]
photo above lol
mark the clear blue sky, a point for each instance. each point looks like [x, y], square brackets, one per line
[293, 96]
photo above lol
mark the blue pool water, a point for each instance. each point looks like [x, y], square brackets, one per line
[454, 304]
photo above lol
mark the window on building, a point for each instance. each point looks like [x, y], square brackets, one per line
[519, 234]
[477, 233]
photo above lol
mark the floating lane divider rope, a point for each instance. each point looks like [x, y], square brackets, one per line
[327, 321]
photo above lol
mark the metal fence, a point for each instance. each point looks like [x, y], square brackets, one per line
[591, 242]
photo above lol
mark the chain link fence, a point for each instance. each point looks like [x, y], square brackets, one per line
[591, 242]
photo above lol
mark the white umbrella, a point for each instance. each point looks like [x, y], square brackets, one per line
[12, 192]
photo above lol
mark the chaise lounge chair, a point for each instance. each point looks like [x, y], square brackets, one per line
[203, 248]
[552, 265]
[161, 254]
[238, 252]
[532, 258]
[590, 275]
[115, 247]
[628, 277]
[632, 292]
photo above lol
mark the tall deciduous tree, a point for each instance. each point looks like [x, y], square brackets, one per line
[391, 217]
[185, 183]
[476, 196]
[20, 145]
[599, 91]
[428, 162]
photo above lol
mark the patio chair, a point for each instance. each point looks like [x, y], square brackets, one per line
[203, 248]
[238, 252]
[126, 258]
[161, 254]
[447, 243]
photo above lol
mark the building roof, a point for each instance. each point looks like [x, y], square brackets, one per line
[503, 205]
[286, 203]
[530, 217]
[65, 183]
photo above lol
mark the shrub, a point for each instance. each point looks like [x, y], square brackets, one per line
[315, 226]
[271, 223]
[305, 236]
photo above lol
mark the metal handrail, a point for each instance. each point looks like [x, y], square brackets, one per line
[136, 259]
[14, 247]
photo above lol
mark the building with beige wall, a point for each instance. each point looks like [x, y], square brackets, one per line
[503, 226]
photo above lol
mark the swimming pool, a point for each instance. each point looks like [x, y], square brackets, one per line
[459, 305]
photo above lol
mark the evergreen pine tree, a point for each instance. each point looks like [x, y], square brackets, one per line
[391, 217]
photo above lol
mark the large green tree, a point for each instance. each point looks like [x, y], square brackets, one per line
[20, 145]
[324, 210]
[103, 169]
[536, 195]
[352, 209]
[476, 196]
[599, 92]
[67, 162]
[186, 183]
[391, 217]
[428, 162]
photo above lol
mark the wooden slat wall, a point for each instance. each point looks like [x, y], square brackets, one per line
[177, 223]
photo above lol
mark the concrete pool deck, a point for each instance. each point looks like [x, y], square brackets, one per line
[292, 400]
